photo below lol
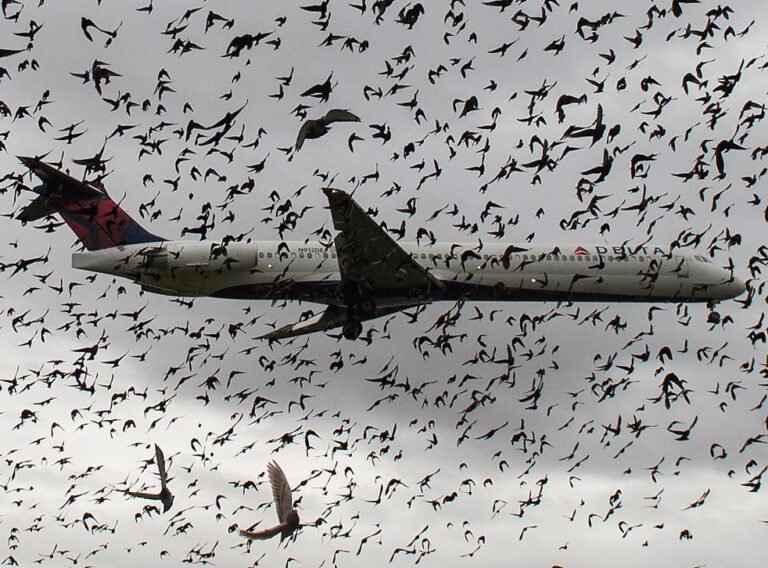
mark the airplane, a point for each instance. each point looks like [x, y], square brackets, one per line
[364, 273]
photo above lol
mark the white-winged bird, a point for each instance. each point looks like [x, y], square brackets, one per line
[286, 514]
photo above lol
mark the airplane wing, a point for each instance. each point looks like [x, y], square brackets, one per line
[367, 254]
[332, 317]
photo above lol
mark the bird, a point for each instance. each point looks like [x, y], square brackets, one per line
[315, 128]
[164, 496]
[287, 516]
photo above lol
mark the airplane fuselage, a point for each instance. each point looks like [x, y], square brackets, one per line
[364, 273]
[508, 272]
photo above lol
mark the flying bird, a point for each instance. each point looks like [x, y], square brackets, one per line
[286, 514]
[315, 128]
[164, 496]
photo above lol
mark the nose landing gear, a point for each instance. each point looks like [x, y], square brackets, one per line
[714, 315]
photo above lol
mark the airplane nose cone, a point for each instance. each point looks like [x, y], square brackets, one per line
[730, 288]
[737, 286]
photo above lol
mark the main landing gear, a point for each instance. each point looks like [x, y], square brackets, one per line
[364, 309]
[352, 328]
[361, 307]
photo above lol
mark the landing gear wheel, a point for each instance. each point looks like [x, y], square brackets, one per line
[714, 315]
[352, 329]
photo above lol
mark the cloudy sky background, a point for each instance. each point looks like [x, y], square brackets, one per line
[430, 389]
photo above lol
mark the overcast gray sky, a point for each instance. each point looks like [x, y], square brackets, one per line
[560, 483]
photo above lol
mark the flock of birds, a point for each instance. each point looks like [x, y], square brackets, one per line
[445, 429]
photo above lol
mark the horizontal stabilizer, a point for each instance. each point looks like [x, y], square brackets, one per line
[58, 182]
[41, 207]
[94, 217]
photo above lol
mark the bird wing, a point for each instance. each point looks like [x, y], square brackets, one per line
[142, 495]
[262, 535]
[85, 23]
[9, 52]
[340, 115]
[160, 459]
[281, 491]
[303, 133]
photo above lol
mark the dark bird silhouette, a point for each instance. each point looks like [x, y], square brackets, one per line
[164, 496]
[321, 91]
[315, 128]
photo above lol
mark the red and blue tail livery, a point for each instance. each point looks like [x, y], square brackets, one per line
[95, 218]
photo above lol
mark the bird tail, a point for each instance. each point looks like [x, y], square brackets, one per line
[265, 534]
[94, 217]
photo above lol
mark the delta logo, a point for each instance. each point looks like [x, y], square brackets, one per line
[580, 250]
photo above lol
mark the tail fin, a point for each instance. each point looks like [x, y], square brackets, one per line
[95, 218]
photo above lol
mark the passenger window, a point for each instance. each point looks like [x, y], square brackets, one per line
[572, 258]
[261, 255]
[269, 255]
